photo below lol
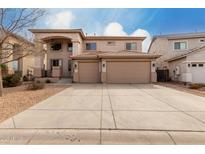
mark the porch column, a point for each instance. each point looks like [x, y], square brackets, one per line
[103, 71]
[76, 48]
[153, 71]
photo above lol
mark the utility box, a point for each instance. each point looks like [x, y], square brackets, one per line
[162, 75]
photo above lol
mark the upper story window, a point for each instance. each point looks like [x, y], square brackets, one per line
[90, 46]
[202, 40]
[131, 46]
[70, 47]
[56, 46]
[111, 43]
[180, 45]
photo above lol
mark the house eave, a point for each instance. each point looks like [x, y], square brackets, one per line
[113, 38]
[58, 31]
[176, 58]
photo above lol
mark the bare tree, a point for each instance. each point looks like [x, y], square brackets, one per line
[13, 22]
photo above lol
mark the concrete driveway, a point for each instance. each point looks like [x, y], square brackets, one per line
[111, 114]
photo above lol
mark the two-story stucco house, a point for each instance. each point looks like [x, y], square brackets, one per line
[182, 54]
[93, 59]
[16, 54]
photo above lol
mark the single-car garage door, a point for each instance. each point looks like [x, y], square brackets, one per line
[128, 72]
[89, 72]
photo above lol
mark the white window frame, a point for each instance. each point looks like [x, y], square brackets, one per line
[187, 46]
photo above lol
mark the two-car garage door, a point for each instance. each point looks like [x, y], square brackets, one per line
[128, 72]
[116, 72]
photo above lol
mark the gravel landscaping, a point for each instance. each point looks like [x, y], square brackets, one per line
[18, 99]
[182, 87]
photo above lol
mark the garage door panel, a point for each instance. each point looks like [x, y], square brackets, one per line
[89, 72]
[128, 72]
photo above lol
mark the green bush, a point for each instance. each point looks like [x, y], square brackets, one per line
[4, 70]
[12, 80]
[3, 67]
[35, 85]
[28, 77]
[196, 86]
[25, 78]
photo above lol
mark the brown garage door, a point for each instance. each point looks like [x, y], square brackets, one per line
[128, 72]
[89, 72]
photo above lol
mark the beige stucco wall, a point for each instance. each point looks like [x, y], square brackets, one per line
[197, 73]
[165, 47]
[64, 55]
[27, 63]
[182, 69]
[189, 74]
[120, 45]
[196, 56]
[24, 63]
[78, 47]
[74, 37]
[160, 46]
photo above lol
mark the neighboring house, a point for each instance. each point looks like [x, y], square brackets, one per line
[182, 54]
[93, 59]
[16, 55]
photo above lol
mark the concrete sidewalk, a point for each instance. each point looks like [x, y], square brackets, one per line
[80, 136]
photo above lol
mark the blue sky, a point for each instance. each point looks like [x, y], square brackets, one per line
[145, 22]
[155, 21]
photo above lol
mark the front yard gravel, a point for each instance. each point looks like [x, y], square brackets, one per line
[18, 99]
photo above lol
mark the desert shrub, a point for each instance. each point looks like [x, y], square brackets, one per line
[35, 85]
[28, 77]
[12, 80]
[25, 78]
[3, 66]
[196, 86]
[48, 81]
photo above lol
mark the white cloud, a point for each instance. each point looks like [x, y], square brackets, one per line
[116, 29]
[147, 41]
[60, 20]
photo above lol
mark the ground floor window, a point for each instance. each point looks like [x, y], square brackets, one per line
[15, 65]
[56, 62]
[193, 65]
